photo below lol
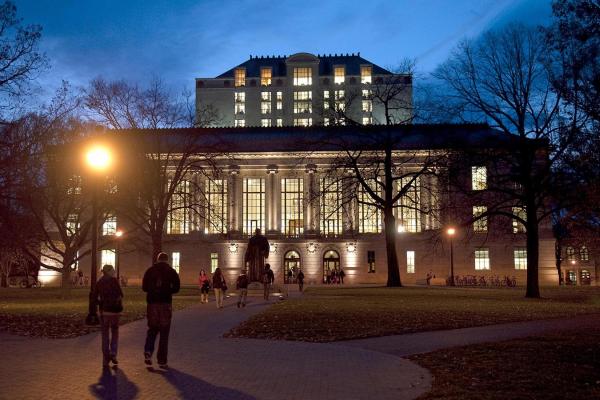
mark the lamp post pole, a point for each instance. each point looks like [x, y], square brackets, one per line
[118, 235]
[451, 232]
[92, 318]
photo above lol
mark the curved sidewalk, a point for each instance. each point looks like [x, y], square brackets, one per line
[205, 365]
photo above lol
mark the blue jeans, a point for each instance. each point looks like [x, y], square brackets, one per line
[110, 326]
[159, 323]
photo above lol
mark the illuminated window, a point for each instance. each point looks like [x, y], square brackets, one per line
[240, 77]
[239, 97]
[265, 122]
[109, 227]
[517, 226]
[367, 120]
[478, 178]
[482, 259]
[240, 123]
[74, 185]
[107, 257]
[339, 75]
[216, 207]
[265, 76]
[367, 94]
[366, 72]
[326, 100]
[176, 260]
[302, 121]
[302, 76]
[253, 205]
[279, 99]
[371, 261]
[339, 97]
[72, 224]
[326, 121]
[214, 262]
[279, 122]
[410, 204]
[570, 251]
[367, 106]
[410, 262]
[178, 218]
[302, 102]
[292, 214]
[240, 108]
[265, 107]
[520, 255]
[584, 254]
[369, 215]
[331, 207]
[480, 225]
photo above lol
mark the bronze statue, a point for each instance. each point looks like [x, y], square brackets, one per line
[256, 253]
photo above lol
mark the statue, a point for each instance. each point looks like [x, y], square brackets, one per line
[256, 253]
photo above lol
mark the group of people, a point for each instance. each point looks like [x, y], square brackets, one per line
[336, 276]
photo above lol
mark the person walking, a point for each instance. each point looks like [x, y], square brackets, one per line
[219, 286]
[300, 278]
[242, 287]
[204, 284]
[268, 279]
[109, 296]
[342, 275]
[160, 283]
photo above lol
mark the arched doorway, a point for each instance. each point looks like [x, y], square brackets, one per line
[291, 266]
[331, 262]
[586, 278]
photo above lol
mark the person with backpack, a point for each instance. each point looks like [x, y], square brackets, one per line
[204, 283]
[109, 297]
[160, 283]
[300, 278]
[219, 286]
[242, 287]
[268, 279]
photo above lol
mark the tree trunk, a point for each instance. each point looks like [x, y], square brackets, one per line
[156, 246]
[558, 257]
[4, 282]
[390, 247]
[66, 283]
[533, 254]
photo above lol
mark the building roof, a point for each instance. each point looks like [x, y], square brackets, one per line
[352, 62]
[320, 138]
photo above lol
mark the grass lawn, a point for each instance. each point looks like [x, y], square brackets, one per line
[330, 314]
[557, 366]
[42, 312]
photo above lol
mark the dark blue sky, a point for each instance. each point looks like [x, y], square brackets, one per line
[179, 40]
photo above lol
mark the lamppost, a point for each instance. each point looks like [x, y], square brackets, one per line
[98, 160]
[118, 235]
[451, 232]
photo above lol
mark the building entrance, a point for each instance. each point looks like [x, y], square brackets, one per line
[331, 263]
[291, 266]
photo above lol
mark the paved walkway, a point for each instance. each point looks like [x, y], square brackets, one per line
[204, 366]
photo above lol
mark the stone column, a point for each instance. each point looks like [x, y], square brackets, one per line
[310, 222]
[271, 197]
[234, 225]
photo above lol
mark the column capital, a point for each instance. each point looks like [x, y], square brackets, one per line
[234, 169]
[311, 168]
[272, 169]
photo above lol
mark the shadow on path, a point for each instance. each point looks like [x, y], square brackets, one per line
[113, 384]
[189, 387]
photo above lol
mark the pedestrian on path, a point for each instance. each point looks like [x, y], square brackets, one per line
[219, 286]
[268, 279]
[342, 275]
[204, 284]
[109, 296]
[242, 287]
[160, 283]
[300, 278]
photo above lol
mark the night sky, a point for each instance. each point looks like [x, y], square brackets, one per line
[179, 40]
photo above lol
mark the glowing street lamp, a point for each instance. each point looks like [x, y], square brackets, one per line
[451, 232]
[118, 235]
[98, 159]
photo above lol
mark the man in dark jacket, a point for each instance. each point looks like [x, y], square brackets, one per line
[268, 279]
[242, 287]
[160, 282]
[109, 296]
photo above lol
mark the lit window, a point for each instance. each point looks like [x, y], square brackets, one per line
[240, 108]
[367, 120]
[326, 121]
[570, 253]
[265, 76]
[302, 121]
[279, 99]
[253, 205]
[72, 224]
[265, 122]
[279, 96]
[279, 122]
[410, 204]
[176, 260]
[302, 76]
[520, 254]
[478, 178]
[331, 207]
[584, 254]
[214, 262]
[371, 261]
[517, 226]
[216, 207]
[339, 75]
[302, 102]
[240, 123]
[326, 100]
[265, 107]
[107, 257]
[410, 262]
[239, 97]
[366, 72]
[292, 215]
[369, 215]
[482, 259]
[178, 218]
[240, 77]
[340, 104]
[109, 227]
[74, 185]
[367, 106]
[367, 94]
[480, 224]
